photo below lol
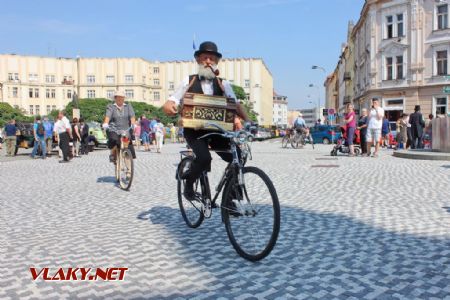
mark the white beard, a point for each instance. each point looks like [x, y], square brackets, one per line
[205, 72]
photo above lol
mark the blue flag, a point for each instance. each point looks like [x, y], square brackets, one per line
[193, 44]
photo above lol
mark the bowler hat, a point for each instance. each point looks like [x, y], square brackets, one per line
[208, 47]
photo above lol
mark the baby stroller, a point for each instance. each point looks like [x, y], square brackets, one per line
[341, 143]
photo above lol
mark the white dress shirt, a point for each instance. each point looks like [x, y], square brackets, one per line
[62, 125]
[207, 87]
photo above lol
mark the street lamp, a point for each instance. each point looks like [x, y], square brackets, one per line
[319, 67]
[318, 99]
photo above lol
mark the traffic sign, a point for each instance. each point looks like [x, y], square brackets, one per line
[446, 89]
[325, 112]
[331, 111]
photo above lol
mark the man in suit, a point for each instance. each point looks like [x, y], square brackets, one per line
[417, 125]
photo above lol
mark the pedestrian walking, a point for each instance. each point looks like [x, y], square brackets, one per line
[374, 127]
[145, 132]
[10, 132]
[350, 121]
[64, 132]
[48, 135]
[180, 135]
[1, 138]
[39, 138]
[137, 134]
[159, 135]
[362, 127]
[417, 125]
[84, 142]
[385, 131]
[173, 133]
[402, 131]
[76, 133]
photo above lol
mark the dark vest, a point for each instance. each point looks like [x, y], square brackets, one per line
[196, 87]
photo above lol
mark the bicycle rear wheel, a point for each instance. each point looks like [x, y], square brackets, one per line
[125, 169]
[252, 214]
[295, 142]
[191, 211]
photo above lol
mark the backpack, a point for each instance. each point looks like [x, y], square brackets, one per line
[40, 129]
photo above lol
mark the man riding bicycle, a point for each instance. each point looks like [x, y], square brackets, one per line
[121, 117]
[204, 82]
[300, 124]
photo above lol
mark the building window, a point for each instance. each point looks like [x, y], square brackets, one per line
[90, 78]
[128, 78]
[36, 93]
[389, 27]
[53, 107]
[441, 62]
[109, 94]
[389, 69]
[400, 25]
[129, 94]
[38, 110]
[155, 70]
[156, 82]
[31, 110]
[156, 96]
[143, 79]
[10, 76]
[171, 85]
[30, 93]
[47, 93]
[399, 67]
[15, 92]
[441, 106]
[90, 93]
[50, 78]
[32, 77]
[48, 109]
[53, 93]
[442, 16]
[69, 94]
[67, 78]
[247, 83]
[110, 78]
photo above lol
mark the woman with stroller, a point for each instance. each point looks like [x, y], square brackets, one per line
[350, 121]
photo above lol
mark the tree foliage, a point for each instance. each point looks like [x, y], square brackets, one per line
[248, 106]
[7, 112]
[94, 110]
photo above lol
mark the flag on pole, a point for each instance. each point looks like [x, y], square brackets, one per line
[193, 43]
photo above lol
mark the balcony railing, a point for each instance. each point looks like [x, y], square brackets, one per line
[68, 82]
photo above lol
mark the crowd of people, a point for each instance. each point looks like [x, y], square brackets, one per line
[72, 138]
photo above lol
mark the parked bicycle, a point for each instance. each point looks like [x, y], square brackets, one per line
[124, 168]
[250, 209]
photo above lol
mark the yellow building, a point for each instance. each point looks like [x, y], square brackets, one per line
[41, 84]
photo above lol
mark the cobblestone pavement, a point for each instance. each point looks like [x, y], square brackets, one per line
[371, 228]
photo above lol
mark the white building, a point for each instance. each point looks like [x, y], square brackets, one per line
[280, 110]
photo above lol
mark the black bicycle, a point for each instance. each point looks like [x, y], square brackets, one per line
[249, 207]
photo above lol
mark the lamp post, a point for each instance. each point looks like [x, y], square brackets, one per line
[318, 99]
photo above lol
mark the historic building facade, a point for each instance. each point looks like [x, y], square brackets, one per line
[41, 84]
[398, 52]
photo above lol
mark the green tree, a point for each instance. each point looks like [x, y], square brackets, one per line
[248, 106]
[7, 112]
[94, 110]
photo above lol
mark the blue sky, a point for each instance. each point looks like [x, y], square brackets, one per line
[290, 35]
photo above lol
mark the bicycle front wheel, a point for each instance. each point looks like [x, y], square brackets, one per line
[285, 141]
[126, 169]
[191, 211]
[252, 214]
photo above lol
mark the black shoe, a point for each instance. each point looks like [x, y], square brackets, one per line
[63, 161]
[188, 192]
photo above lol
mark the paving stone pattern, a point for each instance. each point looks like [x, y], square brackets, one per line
[373, 228]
